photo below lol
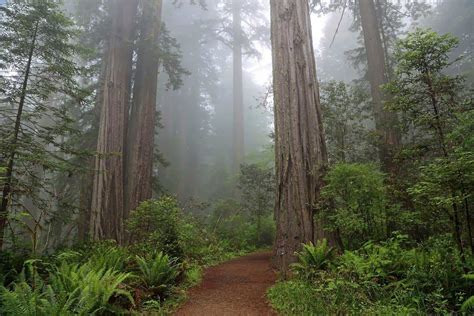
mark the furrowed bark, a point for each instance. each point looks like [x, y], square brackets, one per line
[141, 130]
[300, 150]
[107, 210]
[385, 121]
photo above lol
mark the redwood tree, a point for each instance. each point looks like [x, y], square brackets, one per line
[300, 150]
[385, 121]
[238, 96]
[107, 211]
[141, 129]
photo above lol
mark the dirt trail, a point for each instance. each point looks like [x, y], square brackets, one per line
[236, 287]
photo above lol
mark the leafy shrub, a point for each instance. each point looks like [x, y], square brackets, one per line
[266, 233]
[355, 202]
[230, 222]
[154, 224]
[256, 184]
[158, 272]
[378, 262]
[193, 275]
[313, 258]
[380, 277]
[295, 297]
[194, 239]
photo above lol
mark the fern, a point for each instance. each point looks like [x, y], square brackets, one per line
[21, 300]
[313, 258]
[158, 272]
[468, 305]
[90, 290]
[109, 257]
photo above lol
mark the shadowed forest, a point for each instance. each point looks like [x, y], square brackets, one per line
[155, 154]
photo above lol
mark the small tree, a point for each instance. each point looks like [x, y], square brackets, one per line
[346, 118]
[426, 96]
[432, 104]
[354, 203]
[36, 72]
[153, 226]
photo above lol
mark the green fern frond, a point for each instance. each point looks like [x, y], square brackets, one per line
[312, 258]
[159, 271]
[468, 305]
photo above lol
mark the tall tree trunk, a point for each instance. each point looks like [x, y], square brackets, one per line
[385, 122]
[141, 131]
[238, 102]
[190, 120]
[7, 185]
[183, 120]
[384, 39]
[87, 179]
[107, 210]
[300, 150]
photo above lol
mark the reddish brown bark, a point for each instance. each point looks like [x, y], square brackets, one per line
[141, 130]
[107, 210]
[300, 150]
[385, 121]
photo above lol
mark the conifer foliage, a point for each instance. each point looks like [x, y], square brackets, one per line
[37, 75]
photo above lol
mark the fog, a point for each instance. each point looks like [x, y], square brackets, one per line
[131, 100]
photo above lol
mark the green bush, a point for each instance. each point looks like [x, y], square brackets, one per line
[393, 275]
[194, 239]
[193, 275]
[355, 203]
[230, 222]
[295, 297]
[266, 233]
[154, 224]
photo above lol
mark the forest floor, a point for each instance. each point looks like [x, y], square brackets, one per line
[236, 287]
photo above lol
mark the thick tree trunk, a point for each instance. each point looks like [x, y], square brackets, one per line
[141, 131]
[385, 122]
[238, 102]
[107, 211]
[7, 184]
[300, 150]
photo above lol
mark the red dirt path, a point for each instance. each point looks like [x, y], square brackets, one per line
[236, 287]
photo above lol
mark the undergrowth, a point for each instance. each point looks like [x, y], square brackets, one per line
[149, 276]
[387, 278]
